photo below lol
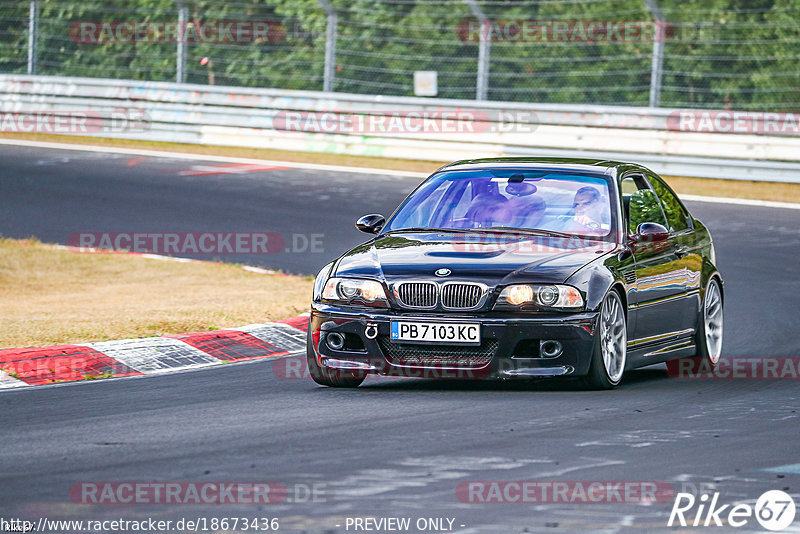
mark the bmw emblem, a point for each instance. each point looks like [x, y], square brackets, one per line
[442, 272]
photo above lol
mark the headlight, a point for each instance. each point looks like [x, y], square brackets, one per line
[369, 292]
[540, 296]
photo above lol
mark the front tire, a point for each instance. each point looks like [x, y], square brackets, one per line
[610, 345]
[330, 377]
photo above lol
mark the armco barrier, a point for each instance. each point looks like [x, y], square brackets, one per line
[236, 116]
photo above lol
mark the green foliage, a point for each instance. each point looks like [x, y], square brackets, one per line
[739, 54]
[13, 36]
[644, 207]
[676, 216]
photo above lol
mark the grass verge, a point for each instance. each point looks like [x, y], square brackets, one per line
[781, 192]
[51, 296]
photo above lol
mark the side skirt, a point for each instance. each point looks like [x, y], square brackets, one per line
[661, 352]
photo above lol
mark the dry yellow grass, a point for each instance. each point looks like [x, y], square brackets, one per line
[778, 192]
[50, 296]
[782, 192]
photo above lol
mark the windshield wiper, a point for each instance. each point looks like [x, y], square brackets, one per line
[525, 231]
[487, 230]
[428, 229]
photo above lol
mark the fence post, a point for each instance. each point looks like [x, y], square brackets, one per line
[330, 45]
[658, 53]
[484, 50]
[33, 34]
[180, 60]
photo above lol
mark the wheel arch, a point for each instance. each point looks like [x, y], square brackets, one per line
[595, 280]
[715, 274]
[619, 287]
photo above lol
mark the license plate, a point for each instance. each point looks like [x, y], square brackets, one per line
[459, 333]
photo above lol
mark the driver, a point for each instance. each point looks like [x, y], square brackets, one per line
[588, 209]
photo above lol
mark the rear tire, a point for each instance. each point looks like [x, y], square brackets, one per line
[708, 335]
[330, 377]
[610, 345]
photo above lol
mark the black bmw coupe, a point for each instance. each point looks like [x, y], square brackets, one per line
[520, 267]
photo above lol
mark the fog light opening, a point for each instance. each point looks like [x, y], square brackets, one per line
[550, 348]
[335, 340]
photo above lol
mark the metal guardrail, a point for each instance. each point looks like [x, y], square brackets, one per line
[236, 116]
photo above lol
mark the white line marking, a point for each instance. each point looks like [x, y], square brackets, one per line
[258, 270]
[155, 354]
[8, 381]
[331, 168]
[281, 335]
[741, 202]
[421, 472]
[167, 258]
[588, 463]
[793, 469]
[209, 157]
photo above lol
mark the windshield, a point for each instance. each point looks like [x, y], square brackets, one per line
[507, 198]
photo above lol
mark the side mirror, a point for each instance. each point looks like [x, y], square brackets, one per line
[650, 237]
[650, 231]
[371, 224]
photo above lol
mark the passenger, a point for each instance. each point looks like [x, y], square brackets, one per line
[487, 210]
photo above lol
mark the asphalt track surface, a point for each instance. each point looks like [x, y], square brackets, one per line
[393, 447]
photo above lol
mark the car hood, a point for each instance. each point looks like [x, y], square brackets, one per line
[490, 259]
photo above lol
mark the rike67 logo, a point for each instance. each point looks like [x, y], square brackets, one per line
[774, 510]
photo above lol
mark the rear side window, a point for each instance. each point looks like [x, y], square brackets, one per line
[677, 217]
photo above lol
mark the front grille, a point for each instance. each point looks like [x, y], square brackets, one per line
[429, 355]
[417, 294]
[463, 296]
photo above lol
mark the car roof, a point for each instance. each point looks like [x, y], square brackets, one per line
[600, 166]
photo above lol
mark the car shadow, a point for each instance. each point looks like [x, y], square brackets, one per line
[633, 378]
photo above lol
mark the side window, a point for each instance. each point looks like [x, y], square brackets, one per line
[640, 203]
[676, 216]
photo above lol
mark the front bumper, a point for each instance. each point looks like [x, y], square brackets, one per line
[511, 344]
